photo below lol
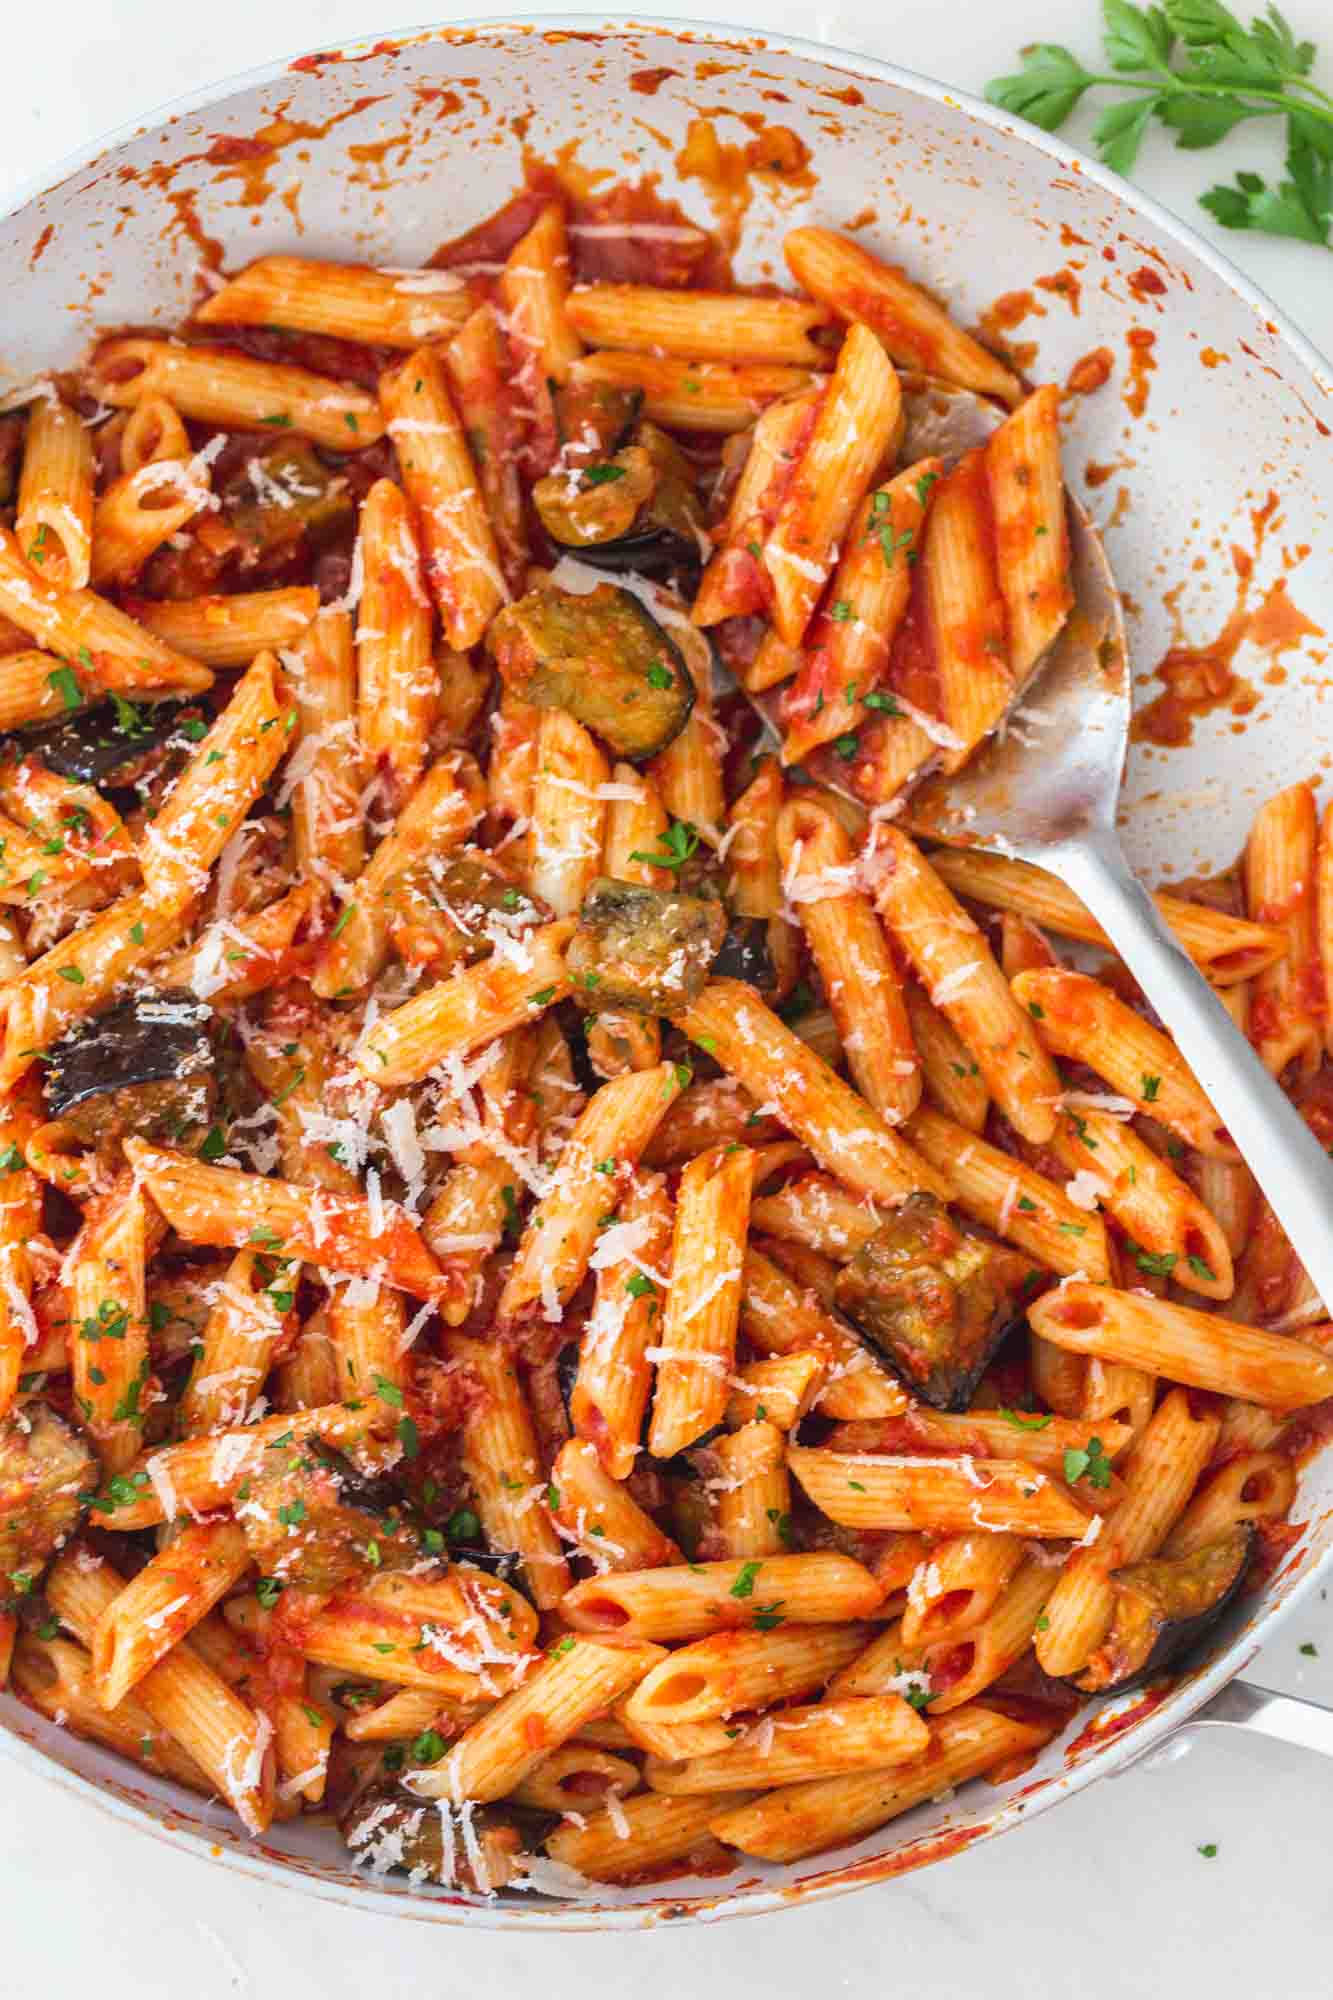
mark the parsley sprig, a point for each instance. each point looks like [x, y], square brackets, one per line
[1194, 67]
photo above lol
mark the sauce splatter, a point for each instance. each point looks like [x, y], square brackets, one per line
[774, 155]
[39, 247]
[1065, 285]
[1213, 357]
[647, 82]
[1090, 373]
[1145, 283]
[998, 322]
[1142, 363]
[1198, 680]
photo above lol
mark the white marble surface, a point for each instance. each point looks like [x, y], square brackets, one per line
[1107, 1895]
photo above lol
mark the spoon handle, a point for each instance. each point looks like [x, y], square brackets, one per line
[1281, 1151]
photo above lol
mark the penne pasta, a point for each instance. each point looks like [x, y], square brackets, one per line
[666, 1604]
[397, 688]
[219, 385]
[716, 397]
[350, 301]
[54, 518]
[706, 326]
[943, 1496]
[1287, 1007]
[697, 1348]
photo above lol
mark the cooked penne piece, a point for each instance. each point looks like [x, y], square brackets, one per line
[730, 1672]
[1079, 1018]
[229, 1740]
[368, 1342]
[1018, 1203]
[577, 1680]
[350, 301]
[558, 1242]
[609, 1399]
[465, 1636]
[796, 1820]
[56, 1677]
[643, 1835]
[34, 688]
[397, 687]
[854, 428]
[815, 1211]
[477, 361]
[99, 647]
[54, 520]
[1170, 1231]
[852, 956]
[697, 1350]
[636, 824]
[847, 649]
[1256, 1486]
[754, 869]
[958, 1587]
[20, 1220]
[754, 1501]
[140, 511]
[705, 326]
[460, 557]
[915, 331]
[1027, 505]
[710, 396]
[607, 1527]
[957, 969]
[167, 1599]
[1040, 1441]
[956, 1670]
[778, 1391]
[574, 1777]
[799, 1744]
[732, 1024]
[153, 432]
[218, 786]
[779, 1316]
[732, 581]
[230, 1210]
[219, 385]
[106, 1287]
[816, 1589]
[1226, 949]
[204, 1474]
[534, 290]
[943, 1496]
[950, 1073]
[1287, 1015]
[405, 1713]
[228, 631]
[327, 772]
[504, 1468]
[242, 1331]
[1160, 1475]
[438, 816]
[568, 813]
[1200, 1349]
[688, 773]
[965, 609]
[469, 1008]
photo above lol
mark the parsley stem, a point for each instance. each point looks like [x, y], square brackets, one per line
[1275, 102]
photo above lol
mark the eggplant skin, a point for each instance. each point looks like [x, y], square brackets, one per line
[144, 1065]
[936, 1303]
[595, 506]
[646, 949]
[446, 909]
[593, 420]
[1165, 1607]
[311, 1521]
[105, 744]
[641, 513]
[602, 658]
[387, 1826]
[45, 1470]
[745, 955]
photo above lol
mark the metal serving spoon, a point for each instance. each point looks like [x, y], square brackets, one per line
[1053, 802]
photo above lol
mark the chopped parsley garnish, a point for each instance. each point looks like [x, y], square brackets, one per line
[1092, 1465]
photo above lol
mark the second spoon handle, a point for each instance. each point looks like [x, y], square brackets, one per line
[1281, 1151]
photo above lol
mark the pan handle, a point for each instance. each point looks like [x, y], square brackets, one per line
[1241, 1705]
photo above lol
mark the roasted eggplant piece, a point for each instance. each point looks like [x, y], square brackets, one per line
[593, 420]
[281, 495]
[602, 658]
[304, 1523]
[1164, 1607]
[45, 1470]
[103, 745]
[936, 1303]
[143, 1066]
[637, 510]
[445, 909]
[745, 955]
[389, 1827]
[646, 949]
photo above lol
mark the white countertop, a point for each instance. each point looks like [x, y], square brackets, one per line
[1107, 1895]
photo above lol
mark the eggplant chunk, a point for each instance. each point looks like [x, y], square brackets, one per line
[282, 494]
[646, 949]
[44, 1468]
[1164, 1607]
[389, 1827]
[600, 657]
[447, 910]
[104, 745]
[583, 506]
[143, 1066]
[745, 955]
[593, 420]
[936, 1303]
[302, 1529]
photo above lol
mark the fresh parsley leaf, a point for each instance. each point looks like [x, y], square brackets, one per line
[1021, 1421]
[1046, 90]
[602, 475]
[1092, 1465]
[744, 1584]
[674, 847]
